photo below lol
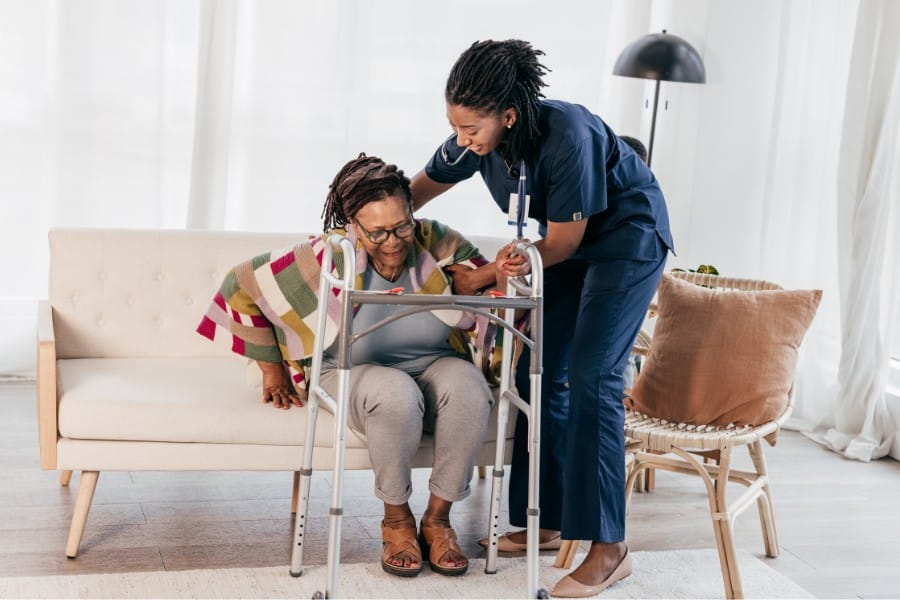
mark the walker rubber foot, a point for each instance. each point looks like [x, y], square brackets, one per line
[296, 573]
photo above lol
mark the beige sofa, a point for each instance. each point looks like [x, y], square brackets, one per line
[125, 383]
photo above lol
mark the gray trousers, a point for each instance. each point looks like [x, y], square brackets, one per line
[450, 399]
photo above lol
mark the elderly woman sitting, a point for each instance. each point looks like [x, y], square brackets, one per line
[407, 377]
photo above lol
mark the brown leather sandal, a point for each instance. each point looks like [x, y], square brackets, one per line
[397, 541]
[436, 542]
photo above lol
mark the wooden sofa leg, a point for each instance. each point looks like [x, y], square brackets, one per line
[296, 492]
[65, 477]
[86, 487]
[482, 471]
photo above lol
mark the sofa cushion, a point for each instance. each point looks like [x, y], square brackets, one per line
[204, 400]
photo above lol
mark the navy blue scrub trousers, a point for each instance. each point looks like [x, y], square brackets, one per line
[593, 310]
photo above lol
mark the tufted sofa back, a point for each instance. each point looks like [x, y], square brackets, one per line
[120, 293]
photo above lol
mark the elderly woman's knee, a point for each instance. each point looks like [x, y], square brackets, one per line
[395, 393]
[465, 385]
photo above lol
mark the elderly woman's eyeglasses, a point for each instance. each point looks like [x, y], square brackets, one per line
[445, 153]
[380, 236]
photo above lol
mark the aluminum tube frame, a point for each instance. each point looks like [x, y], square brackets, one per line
[532, 301]
[316, 395]
[532, 411]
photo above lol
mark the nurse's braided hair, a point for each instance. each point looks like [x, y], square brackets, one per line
[492, 76]
[362, 180]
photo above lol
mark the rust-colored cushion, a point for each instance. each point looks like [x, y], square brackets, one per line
[722, 356]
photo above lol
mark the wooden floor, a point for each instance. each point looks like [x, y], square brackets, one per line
[838, 521]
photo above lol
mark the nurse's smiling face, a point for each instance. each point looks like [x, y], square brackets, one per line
[479, 131]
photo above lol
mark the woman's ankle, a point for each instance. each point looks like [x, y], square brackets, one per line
[397, 516]
[437, 514]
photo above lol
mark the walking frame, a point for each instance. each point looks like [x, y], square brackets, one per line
[519, 296]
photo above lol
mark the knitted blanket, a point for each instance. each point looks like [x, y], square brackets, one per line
[269, 304]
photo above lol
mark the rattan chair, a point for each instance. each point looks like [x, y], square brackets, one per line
[706, 452]
[680, 448]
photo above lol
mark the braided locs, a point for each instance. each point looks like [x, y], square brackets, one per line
[492, 76]
[363, 180]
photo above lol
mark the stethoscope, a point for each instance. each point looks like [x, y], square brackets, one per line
[520, 213]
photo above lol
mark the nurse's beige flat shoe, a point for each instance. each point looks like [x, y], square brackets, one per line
[569, 588]
[504, 544]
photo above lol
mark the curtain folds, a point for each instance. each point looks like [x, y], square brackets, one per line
[798, 247]
[212, 121]
[868, 182]
[831, 214]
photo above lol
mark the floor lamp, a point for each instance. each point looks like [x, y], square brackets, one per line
[663, 57]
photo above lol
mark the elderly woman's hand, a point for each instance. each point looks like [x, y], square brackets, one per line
[277, 387]
[468, 281]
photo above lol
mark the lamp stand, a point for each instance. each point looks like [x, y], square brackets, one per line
[653, 125]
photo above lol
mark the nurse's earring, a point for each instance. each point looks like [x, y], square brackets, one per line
[509, 125]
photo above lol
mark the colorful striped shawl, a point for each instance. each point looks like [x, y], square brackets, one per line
[268, 304]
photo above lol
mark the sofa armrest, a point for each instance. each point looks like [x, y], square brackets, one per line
[46, 385]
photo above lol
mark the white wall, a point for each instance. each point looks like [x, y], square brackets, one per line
[18, 350]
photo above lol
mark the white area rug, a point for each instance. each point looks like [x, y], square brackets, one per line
[671, 574]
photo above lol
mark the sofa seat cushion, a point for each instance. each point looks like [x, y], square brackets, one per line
[205, 400]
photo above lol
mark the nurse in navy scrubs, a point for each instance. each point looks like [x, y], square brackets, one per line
[605, 237]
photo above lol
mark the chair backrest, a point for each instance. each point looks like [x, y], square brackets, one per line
[726, 283]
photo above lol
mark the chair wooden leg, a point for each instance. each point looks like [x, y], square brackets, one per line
[649, 480]
[482, 471]
[65, 477]
[86, 487]
[716, 485]
[764, 501]
[722, 524]
[733, 587]
[639, 482]
[566, 554]
[650, 476]
[635, 472]
[295, 492]
[631, 450]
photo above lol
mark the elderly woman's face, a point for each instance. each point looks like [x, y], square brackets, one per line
[386, 216]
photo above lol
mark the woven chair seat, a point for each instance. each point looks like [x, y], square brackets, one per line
[659, 435]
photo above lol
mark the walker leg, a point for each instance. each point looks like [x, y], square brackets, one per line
[302, 479]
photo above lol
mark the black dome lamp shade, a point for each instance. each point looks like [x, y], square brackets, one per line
[662, 57]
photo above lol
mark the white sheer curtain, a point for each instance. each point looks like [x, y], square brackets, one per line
[868, 227]
[831, 210]
[96, 125]
[235, 114]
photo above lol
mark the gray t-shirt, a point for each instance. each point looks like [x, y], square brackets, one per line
[409, 344]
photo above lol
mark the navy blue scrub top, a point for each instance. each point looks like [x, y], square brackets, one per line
[582, 171]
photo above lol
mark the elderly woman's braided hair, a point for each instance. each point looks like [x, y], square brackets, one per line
[362, 180]
[493, 76]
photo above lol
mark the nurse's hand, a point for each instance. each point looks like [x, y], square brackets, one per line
[512, 265]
